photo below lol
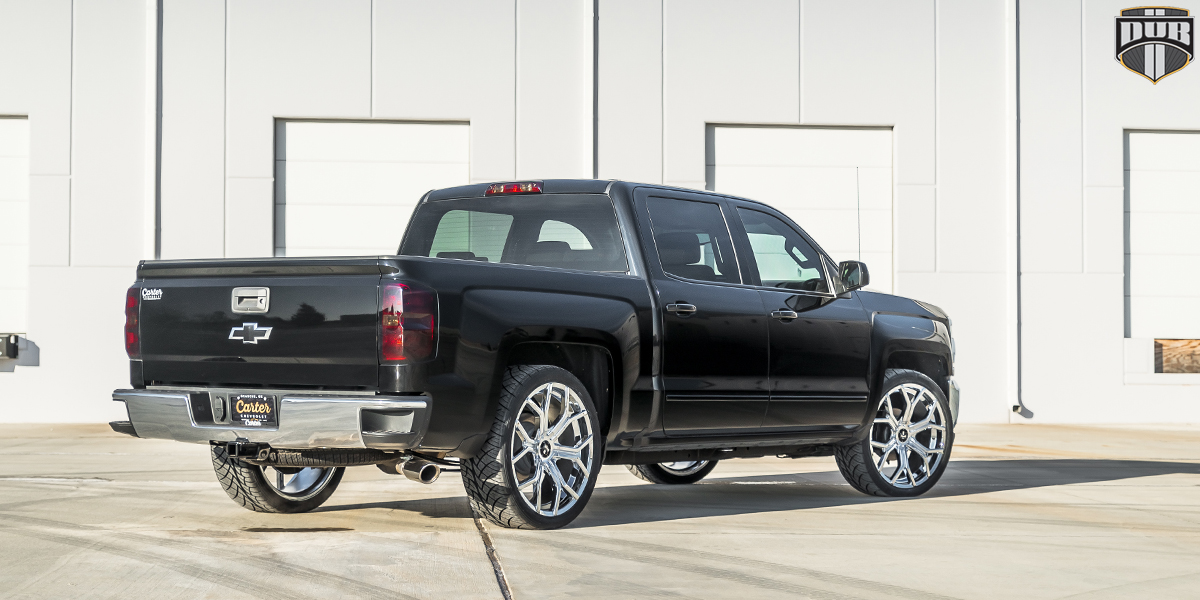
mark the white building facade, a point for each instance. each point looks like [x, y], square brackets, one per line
[999, 159]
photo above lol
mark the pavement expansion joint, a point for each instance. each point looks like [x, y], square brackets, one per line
[493, 556]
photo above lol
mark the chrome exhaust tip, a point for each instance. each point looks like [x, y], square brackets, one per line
[421, 471]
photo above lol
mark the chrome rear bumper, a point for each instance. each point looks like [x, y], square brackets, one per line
[306, 420]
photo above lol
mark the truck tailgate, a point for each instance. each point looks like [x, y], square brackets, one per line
[318, 327]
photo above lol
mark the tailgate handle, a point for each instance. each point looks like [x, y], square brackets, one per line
[251, 299]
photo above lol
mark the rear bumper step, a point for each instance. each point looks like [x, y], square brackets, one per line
[305, 420]
[124, 427]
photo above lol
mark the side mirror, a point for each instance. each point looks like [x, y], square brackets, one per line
[854, 274]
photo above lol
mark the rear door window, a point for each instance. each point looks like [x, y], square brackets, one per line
[562, 231]
[693, 240]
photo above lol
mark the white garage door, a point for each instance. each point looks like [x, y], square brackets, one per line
[835, 183]
[348, 188]
[14, 215]
[1163, 247]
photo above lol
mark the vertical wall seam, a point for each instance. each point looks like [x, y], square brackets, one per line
[516, 83]
[1020, 323]
[595, 89]
[71, 148]
[371, 65]
[800, 61]
[158, 120]
[225, 145]
[662, 91]
[1083, 208]
[858, 210]
[937, 47]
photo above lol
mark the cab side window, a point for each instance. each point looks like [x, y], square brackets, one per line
[693, 240]
[785, 259]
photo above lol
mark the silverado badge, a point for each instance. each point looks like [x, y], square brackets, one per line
[250, 333]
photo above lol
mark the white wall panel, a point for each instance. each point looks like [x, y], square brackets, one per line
[348, 188]
[35, 68]
[304, 58]
[108, 183]
[50, 220]
[630, 95]
[847, 80]
[1103, 228]
[1082, 339]
[249, 217]
[193, 129]
[1116, 99]
[554, 89]
[813, 175]
[979, 331]
[80, 77]
[916, 220]
[971, 162]
[724, 62]
[89, 383]
[1172, 154]
[1163, 221]
[14, 215]
[450, 61]
[1051, 134]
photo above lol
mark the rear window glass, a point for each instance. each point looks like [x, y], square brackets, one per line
[561, 231]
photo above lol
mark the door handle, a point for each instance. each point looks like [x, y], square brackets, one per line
[784, 315]
[680, 309]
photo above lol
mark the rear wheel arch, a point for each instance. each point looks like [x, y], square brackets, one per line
[592, 364]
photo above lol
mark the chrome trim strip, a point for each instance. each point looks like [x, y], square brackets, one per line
[955, 393]
[802, 398]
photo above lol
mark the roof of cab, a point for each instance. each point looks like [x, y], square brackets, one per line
[549, 186]
[563, 186]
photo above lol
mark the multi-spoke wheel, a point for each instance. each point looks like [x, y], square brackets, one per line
[909, 441]
[551, 449]
[540, 461]
[674, 473]
[274, 489]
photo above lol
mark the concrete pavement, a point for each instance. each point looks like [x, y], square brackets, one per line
[1023, 512]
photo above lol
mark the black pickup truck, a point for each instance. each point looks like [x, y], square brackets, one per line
[529, 332]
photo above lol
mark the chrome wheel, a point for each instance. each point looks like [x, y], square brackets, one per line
[684, 467]
[551, 449]
[296, 483]
[908, 438]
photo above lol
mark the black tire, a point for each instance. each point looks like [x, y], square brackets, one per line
[247, 485]
[656, 473]
[490, 479]
[859, 463]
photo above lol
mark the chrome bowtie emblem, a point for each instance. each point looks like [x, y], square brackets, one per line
[250, 333]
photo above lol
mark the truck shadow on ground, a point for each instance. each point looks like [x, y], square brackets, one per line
[725, 496]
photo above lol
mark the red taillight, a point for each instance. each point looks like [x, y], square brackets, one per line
[524, 187]
[406, 315]
[133, 343]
